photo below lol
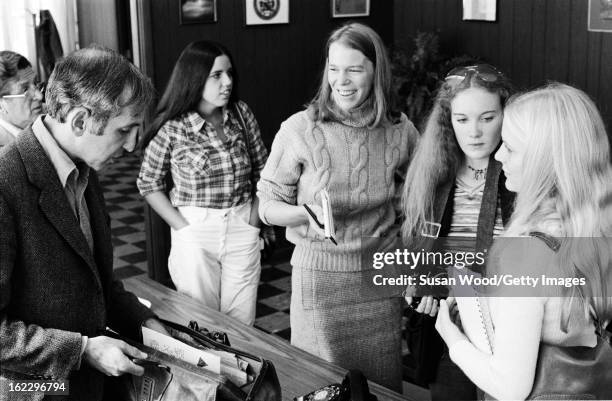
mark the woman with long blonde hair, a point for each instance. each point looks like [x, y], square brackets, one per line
[556, 156]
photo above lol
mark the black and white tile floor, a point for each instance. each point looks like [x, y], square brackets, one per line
[125, 207]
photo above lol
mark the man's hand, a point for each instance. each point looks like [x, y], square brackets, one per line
[111, 356]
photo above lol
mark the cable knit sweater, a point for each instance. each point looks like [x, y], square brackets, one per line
[362, 169]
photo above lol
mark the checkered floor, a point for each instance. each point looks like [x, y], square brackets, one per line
[125, 207]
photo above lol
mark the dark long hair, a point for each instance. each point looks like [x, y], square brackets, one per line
[184, 89]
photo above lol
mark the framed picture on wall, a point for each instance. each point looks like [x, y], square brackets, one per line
[197, 11]
[350, 8]
[261, 12]
[479, 10]
[600, 15]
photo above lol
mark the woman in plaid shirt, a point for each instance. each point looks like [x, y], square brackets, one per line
[209, 142]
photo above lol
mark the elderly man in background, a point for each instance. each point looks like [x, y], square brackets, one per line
[20, 97]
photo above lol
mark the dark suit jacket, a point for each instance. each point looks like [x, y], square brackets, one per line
[52, 288]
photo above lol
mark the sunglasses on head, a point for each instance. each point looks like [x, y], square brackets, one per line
[484, 72]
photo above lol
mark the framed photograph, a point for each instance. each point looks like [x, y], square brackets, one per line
[260, 12]
[197, 11]
[479, 10]
[350, 8]
[600, 15]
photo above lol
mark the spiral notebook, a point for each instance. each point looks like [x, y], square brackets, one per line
[475, 316]
[473, 322]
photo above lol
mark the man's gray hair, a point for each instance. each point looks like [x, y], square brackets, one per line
[10, 64]
[100, 80]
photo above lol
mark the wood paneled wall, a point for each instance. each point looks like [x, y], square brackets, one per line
[97, 23]
[279, 65]
[279, 68]
[533, 41]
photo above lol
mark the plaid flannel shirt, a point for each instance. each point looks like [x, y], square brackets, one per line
[206, 171]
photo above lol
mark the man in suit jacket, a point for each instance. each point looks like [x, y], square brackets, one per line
[20, 97]
[57, 292]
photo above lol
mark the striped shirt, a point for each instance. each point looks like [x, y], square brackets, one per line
[206, 171]
[466, 211]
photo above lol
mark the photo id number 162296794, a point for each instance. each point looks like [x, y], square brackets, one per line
[47, 387]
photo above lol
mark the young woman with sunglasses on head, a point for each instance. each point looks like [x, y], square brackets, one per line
[209, 142]
[454, 188]
[352, 142]
[556, 156]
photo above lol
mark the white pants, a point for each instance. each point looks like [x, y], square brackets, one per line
[216, 259]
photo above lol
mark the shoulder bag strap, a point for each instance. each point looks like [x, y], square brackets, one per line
[245, 132]
[245, 135]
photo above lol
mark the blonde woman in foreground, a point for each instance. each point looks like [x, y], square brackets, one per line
[556, 156]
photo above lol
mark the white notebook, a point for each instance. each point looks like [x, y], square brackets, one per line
[474, 313]
[328, 217]
[473, 322]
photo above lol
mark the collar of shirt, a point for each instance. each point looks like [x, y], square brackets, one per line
[10, 128]
[64, 166]
[196, 121]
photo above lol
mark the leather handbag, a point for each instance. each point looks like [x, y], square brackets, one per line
[569, 373]
[573, 373]
[167, 378]
[576, 373]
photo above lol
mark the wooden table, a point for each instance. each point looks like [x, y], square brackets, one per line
[298, 371]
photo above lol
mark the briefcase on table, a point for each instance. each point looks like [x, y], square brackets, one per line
[168, 378]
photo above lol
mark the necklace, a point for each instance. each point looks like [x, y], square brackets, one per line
[479, 173]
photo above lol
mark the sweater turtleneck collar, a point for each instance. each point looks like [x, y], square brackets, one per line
[359, 117]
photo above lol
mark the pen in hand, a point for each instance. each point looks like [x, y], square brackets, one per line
[313, 215]
[318, 223]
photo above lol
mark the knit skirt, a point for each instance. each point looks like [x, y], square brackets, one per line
[334, 319]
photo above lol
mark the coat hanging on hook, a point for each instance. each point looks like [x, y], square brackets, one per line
[49, 45]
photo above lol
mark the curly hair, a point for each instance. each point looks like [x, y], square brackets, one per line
[438, 155]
